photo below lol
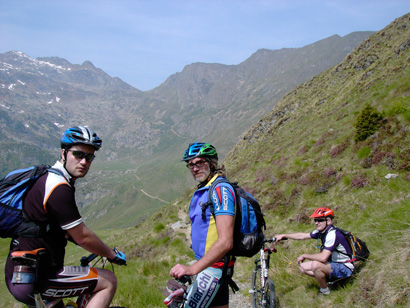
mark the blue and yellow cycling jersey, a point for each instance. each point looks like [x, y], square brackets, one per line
[203, 231]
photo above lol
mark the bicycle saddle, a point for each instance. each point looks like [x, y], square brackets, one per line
[28, 255]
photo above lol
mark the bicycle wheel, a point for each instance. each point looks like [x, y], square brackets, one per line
[256, 288]
[270, 295]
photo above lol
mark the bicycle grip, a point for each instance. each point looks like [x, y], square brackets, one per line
[184, 279]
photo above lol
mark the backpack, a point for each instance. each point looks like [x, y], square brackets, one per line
[360, 252]
[13, 188]
[249, 221]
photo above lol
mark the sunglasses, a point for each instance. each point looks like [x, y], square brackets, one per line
[198, 164]
[320, 219]
[80, 155]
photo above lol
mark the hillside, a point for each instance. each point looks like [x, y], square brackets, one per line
[302, 155]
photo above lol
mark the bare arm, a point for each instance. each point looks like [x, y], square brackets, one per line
[88, 240]
[293, 236]
[224, 243]
[322, 257]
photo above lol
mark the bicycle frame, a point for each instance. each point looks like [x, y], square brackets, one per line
[263, 290]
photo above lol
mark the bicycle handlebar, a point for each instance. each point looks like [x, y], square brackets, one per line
[184, 279]
[271, 240]
[274, 239]
[87, 260]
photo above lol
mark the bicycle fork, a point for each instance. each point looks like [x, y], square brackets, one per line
[264, 277]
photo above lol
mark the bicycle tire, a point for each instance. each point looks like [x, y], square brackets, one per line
[256, 288]
[270, 293]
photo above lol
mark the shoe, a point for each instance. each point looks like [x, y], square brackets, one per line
[323, 293]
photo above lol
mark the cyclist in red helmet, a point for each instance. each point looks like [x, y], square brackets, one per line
[333, 260]
[50, 205]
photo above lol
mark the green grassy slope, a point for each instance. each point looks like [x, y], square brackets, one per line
[303, 155]
[300, 156]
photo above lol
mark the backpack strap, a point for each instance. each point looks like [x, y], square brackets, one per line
[209, 203]
[58, 172]
[34, 229]
[351, 256]
[227, 273]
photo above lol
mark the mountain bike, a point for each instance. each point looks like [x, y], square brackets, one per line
[263, 287]
[27, 273]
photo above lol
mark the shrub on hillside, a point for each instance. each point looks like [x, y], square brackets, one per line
[367, 123]
[329, 172]
[359, 181]
[304, 149]
[398, 107]
[159, 227]
[262, 175]
[363, 152]
[320, 142]
[336, 150]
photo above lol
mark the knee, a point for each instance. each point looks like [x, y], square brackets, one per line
[310, 267]
[316, 265]
[113, 279]
[107, 279]
[305, 267]
[318, 268]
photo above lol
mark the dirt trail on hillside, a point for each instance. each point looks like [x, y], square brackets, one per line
[153, 197]
[239, 300]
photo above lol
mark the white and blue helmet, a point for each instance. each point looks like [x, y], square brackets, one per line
[80, 135]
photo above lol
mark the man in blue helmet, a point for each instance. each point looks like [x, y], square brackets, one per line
[212, 236]
[50, 203]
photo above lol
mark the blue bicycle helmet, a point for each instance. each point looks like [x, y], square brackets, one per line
[80, 135]
[200, 149]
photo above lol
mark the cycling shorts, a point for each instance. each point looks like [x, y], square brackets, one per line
[71, 281]
[206, 290]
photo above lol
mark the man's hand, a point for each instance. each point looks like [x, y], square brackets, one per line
[119, 259]
[301, 259]
[180, 270]
[280, 237]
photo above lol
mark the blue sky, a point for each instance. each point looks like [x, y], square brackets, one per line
[144, 42]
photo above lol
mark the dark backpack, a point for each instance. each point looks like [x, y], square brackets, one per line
[13, 188]
[249, 221]
[360, 252]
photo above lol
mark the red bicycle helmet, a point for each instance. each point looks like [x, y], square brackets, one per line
[322, 212]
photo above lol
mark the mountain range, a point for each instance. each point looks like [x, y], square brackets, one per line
[144, 133]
